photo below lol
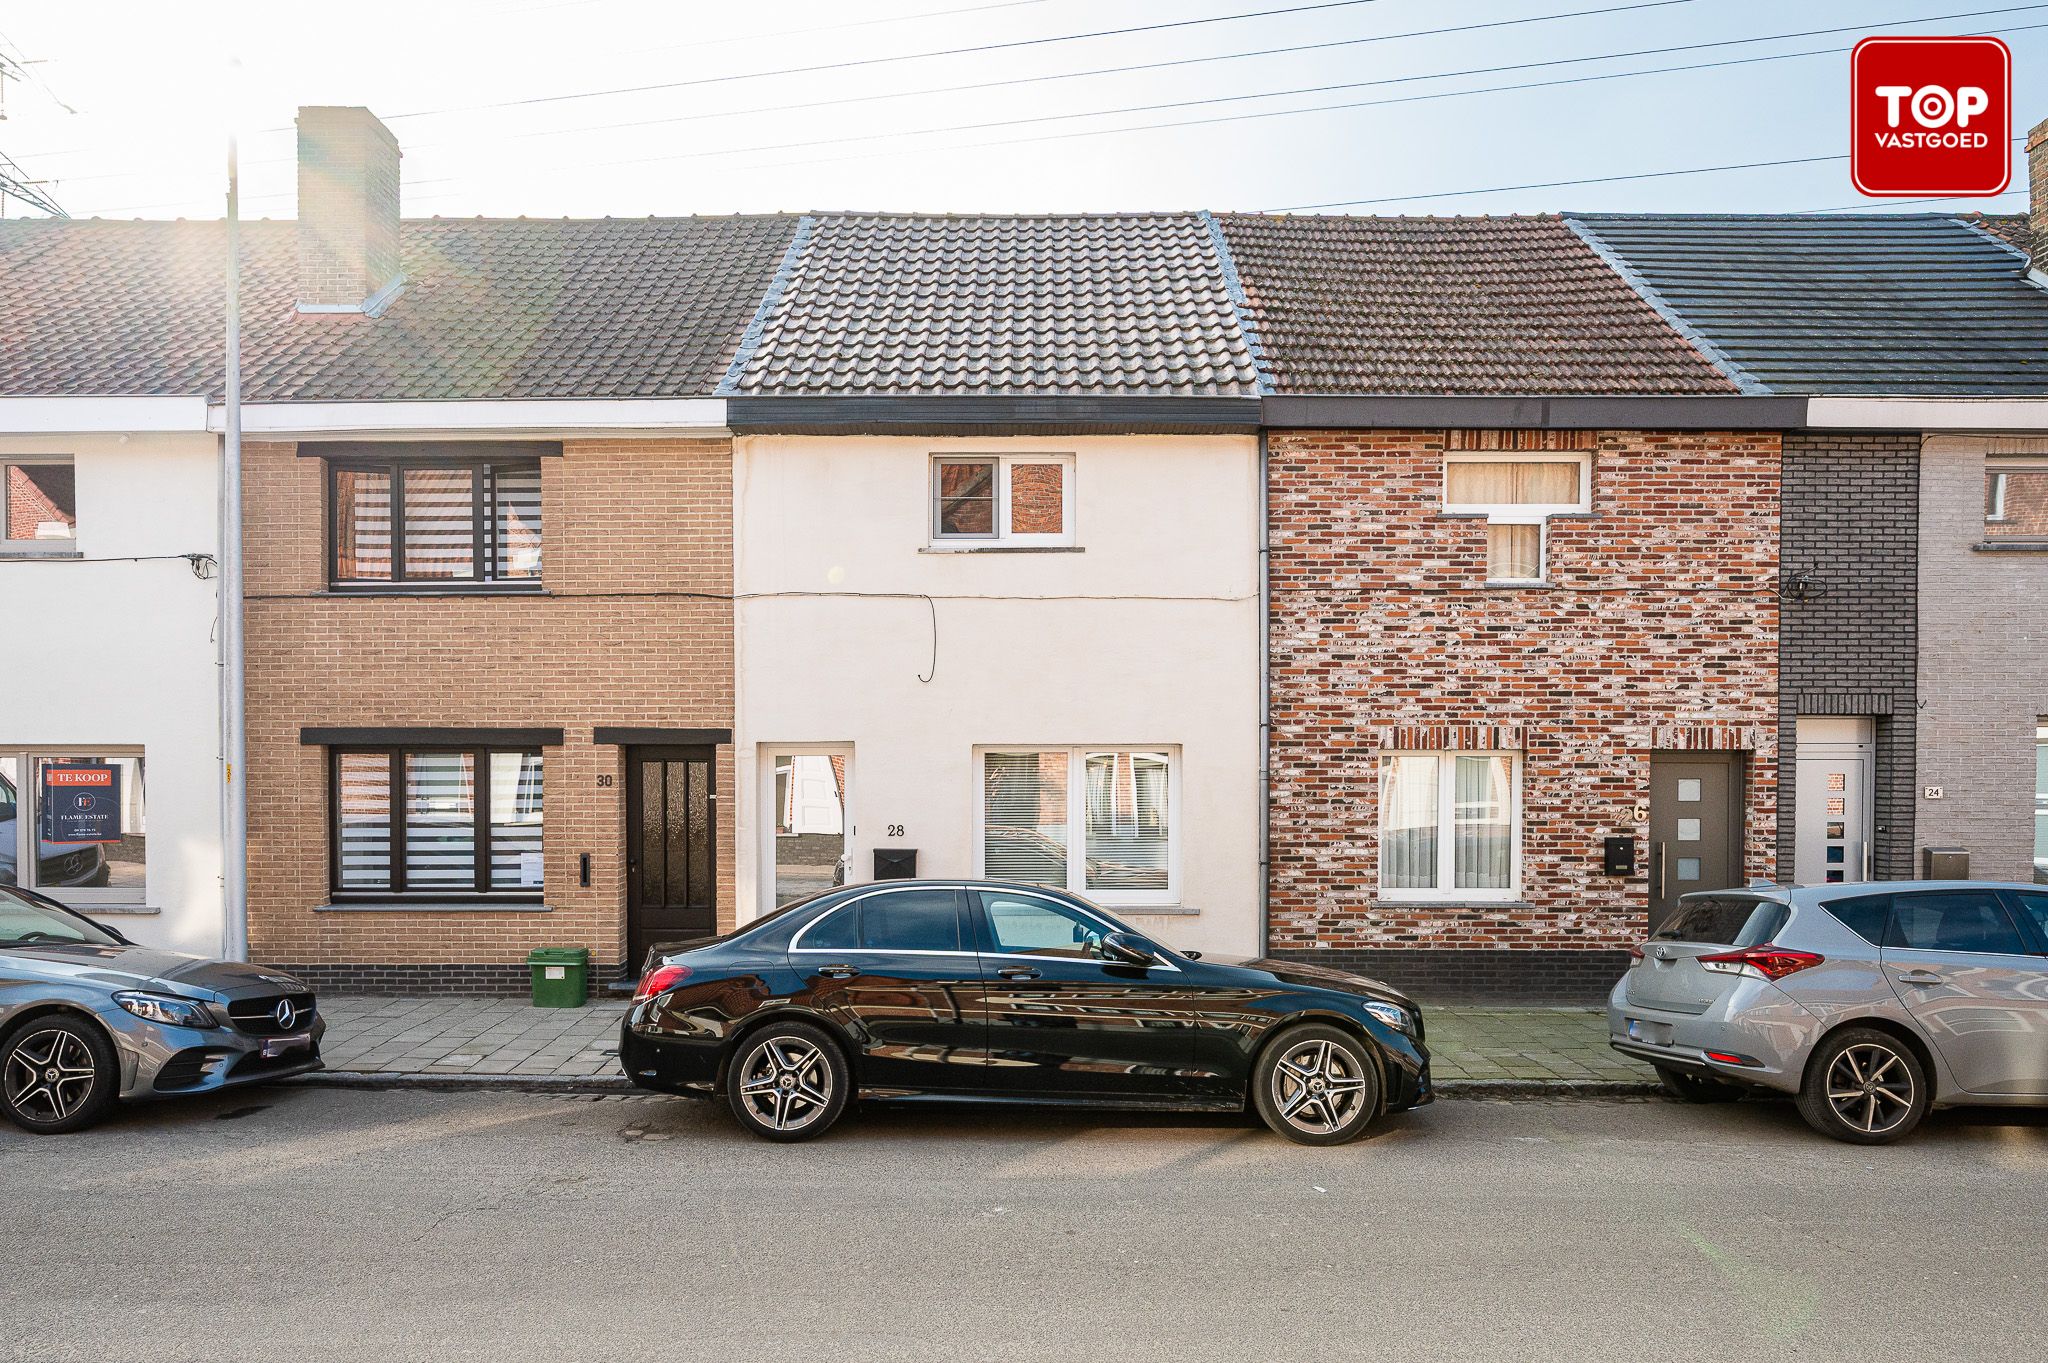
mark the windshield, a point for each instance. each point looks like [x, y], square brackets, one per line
[25, 923]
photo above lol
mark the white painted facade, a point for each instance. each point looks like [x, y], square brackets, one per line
[860, 638]
[113, 658]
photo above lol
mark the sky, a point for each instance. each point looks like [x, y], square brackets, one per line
[590, 108]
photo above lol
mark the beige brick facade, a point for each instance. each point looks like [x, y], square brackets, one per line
[634, 629]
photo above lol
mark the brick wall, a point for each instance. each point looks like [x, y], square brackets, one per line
[632, 529]
[1848, 645]
[1983, 688]
[1659, 631]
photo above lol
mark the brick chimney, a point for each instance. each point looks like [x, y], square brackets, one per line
[348, 211]
[2037, 195]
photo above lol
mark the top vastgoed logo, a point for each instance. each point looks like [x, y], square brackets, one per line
[1930, 117]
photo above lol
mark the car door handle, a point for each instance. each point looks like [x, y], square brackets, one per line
[1922, 977]
[1017, 972]
[837, 972]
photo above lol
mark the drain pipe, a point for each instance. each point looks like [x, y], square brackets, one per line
[1265, 703]
[234, 738]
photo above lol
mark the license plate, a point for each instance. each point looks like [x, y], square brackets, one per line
[1652, 1033]
[278, 1045]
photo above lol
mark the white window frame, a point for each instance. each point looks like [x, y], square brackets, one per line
[30, 548]
[28, 824]
[1996, 468]
[1446, 890]
[1077, 806]
[1003, 536]
[1517, 513]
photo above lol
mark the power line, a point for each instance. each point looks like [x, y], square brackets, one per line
[1268, 113]
[893, 59]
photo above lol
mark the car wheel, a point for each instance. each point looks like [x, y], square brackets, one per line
[788, 1082]
[1696, 1088]
[57, 1074]
[1864, 1086]
[1318, 1085]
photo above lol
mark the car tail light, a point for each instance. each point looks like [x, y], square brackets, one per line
[1635, 950]
[659, 979]
[1770, 962]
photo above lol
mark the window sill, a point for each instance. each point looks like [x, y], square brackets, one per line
[1002, 549]
[112, 910]
[2010, 547]
[1510, 585]
[388, 592]
[435, 906]
[1504, 905]
[12, 552]
[1155, 910]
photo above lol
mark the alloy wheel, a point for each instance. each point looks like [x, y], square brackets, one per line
[1319, 1086]
[1870, 1088]
[786, 1083]
[50, 1075]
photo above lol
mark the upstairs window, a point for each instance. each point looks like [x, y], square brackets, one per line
[38, 504]
[1518, 494]
[2016, 499]
[1023, 500]
[427, 523]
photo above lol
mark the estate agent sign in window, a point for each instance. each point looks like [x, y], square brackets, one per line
[438, 522]
[1093, 820]
[437, 823]
[72, 825]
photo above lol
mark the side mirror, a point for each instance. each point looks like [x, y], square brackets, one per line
[1127, 948]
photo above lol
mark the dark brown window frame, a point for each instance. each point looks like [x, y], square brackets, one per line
[482, 523]
[480, 759]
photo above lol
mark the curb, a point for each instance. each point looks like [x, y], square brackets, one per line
[1509, 1089]
[1547, 1088]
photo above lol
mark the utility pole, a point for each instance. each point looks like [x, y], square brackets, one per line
[234, 738]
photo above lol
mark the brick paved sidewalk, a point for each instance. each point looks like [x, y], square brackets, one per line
[440, 1036]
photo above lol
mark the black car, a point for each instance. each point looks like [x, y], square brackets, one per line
[991, 992]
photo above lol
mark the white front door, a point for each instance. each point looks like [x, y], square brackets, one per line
[1832, 797]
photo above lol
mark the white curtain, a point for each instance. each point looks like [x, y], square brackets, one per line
[1483, 833]
[1408, 821]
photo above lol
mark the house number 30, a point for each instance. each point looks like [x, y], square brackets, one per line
[603, 781]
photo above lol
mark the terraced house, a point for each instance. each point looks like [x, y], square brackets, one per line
[1437, 597]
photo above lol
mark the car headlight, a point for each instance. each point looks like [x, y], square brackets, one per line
[171, 1012]
[1393, 1014]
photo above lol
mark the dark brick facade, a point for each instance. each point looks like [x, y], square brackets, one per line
[1447, 977]
[448, 978]
[1848, 643]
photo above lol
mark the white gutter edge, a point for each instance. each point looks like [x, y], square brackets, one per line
[78, 416]
[508, 416]
[1928, 414]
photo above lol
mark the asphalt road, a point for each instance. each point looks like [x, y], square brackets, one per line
[308, 1224]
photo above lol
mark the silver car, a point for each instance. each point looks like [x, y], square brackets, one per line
[88, 1018]
[1872, 1003]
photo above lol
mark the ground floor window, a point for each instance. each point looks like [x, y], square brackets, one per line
[440, 822]
[1099, 821]
[73, 824]
[807, 815]
[1450, 825]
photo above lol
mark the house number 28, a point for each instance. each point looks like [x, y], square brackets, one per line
[895, 831]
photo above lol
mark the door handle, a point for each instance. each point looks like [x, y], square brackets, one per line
[837, 972]
[1920, 977]
[1017, 972]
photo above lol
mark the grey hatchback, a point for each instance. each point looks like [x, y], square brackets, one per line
[1872, 1003]
[87, 1018]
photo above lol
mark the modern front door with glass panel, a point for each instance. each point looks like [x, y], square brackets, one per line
[1831, 801]
[671, 848]
[805, 790]
[1695, 826]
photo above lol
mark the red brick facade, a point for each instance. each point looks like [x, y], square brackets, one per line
[1656, 631]
[633, 629]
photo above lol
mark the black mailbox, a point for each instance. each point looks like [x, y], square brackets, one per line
[895, 863]
[1620, 858]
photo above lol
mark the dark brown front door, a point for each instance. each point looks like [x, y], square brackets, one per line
[671, 848]
[1695, 826]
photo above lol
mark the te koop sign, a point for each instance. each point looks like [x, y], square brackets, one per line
[1930, 117]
